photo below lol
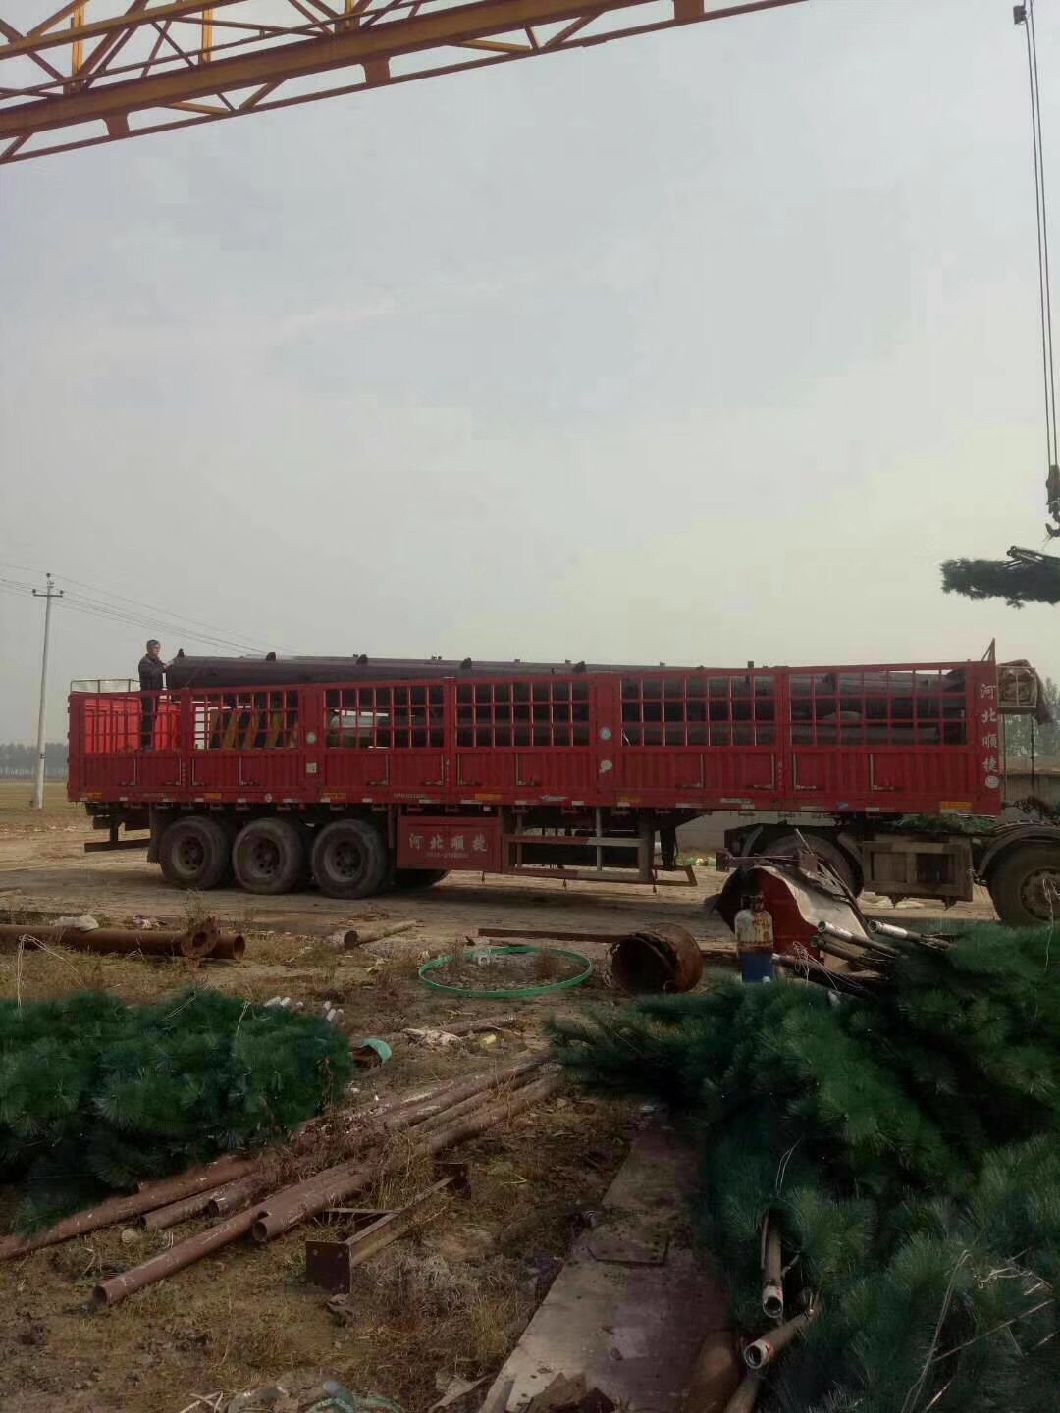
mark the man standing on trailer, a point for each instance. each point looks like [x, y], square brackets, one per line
[152, 673]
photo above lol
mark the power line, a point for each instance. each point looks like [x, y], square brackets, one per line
[151, 616]
[118, 615]
[112, 612]
[152, 608]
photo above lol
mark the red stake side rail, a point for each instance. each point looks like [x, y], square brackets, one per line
[880, 739]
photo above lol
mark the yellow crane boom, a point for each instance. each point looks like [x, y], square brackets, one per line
[98, 71]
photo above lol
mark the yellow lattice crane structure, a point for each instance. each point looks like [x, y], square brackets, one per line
[96, 71]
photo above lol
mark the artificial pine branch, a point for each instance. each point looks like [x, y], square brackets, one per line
[1025, 577]
[908, 1142]
[96, 1095]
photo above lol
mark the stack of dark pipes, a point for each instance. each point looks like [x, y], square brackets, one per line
[203, 942]
[241, 1193]
[867, 956]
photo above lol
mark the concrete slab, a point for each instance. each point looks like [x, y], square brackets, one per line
[634, 1304]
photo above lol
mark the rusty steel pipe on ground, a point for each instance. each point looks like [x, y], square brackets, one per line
[289, 1208]
[467, 1098]
[184, 1253]
[362, 936]
[187, 1252]
[548, 934]
[166, 1191]
[478, 1085]
[421, 1126]
[236, 1195]
[229, 947]
[162, 1218]
[199, 944]
[122, 1209]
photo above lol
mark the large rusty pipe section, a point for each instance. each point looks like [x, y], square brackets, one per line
[664, 958]
[292, 1204]
[196, 944]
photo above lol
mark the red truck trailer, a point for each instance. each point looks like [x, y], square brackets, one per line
[388, 773]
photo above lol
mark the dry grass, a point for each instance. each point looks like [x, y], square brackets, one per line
[16, 811]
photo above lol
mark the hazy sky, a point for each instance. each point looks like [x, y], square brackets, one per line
[698, 347]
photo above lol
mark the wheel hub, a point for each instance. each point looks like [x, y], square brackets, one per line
[191, 855]
[265, 858]
[1040, 893]
[346, 859]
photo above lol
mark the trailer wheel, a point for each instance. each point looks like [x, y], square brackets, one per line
[349, 859]
[269, 856]
[195, 853]
[408, 880]
[836, 857]
[1024, 885]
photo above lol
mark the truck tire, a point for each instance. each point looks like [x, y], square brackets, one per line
[409, 880]
[195, 852]
[349, 859]
[1020, 884]
[269, 856]
[834, 855]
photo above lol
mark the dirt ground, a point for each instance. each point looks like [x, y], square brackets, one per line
[452, 1299]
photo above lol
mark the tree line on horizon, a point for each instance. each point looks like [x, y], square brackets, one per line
[18, 762]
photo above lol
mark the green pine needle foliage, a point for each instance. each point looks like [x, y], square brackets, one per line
[1025, 577]
[97, 1095]
[908, 1142]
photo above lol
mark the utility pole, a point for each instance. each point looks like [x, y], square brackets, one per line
[50, 593]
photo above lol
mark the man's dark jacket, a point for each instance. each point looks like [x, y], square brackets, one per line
[152, 671]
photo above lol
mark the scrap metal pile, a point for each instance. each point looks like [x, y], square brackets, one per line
[881, 1165]
[262, 1197]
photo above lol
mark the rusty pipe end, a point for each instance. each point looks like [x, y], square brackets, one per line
[259, 1231]
[757, 1355]
[228, 947]
[773, 1301]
